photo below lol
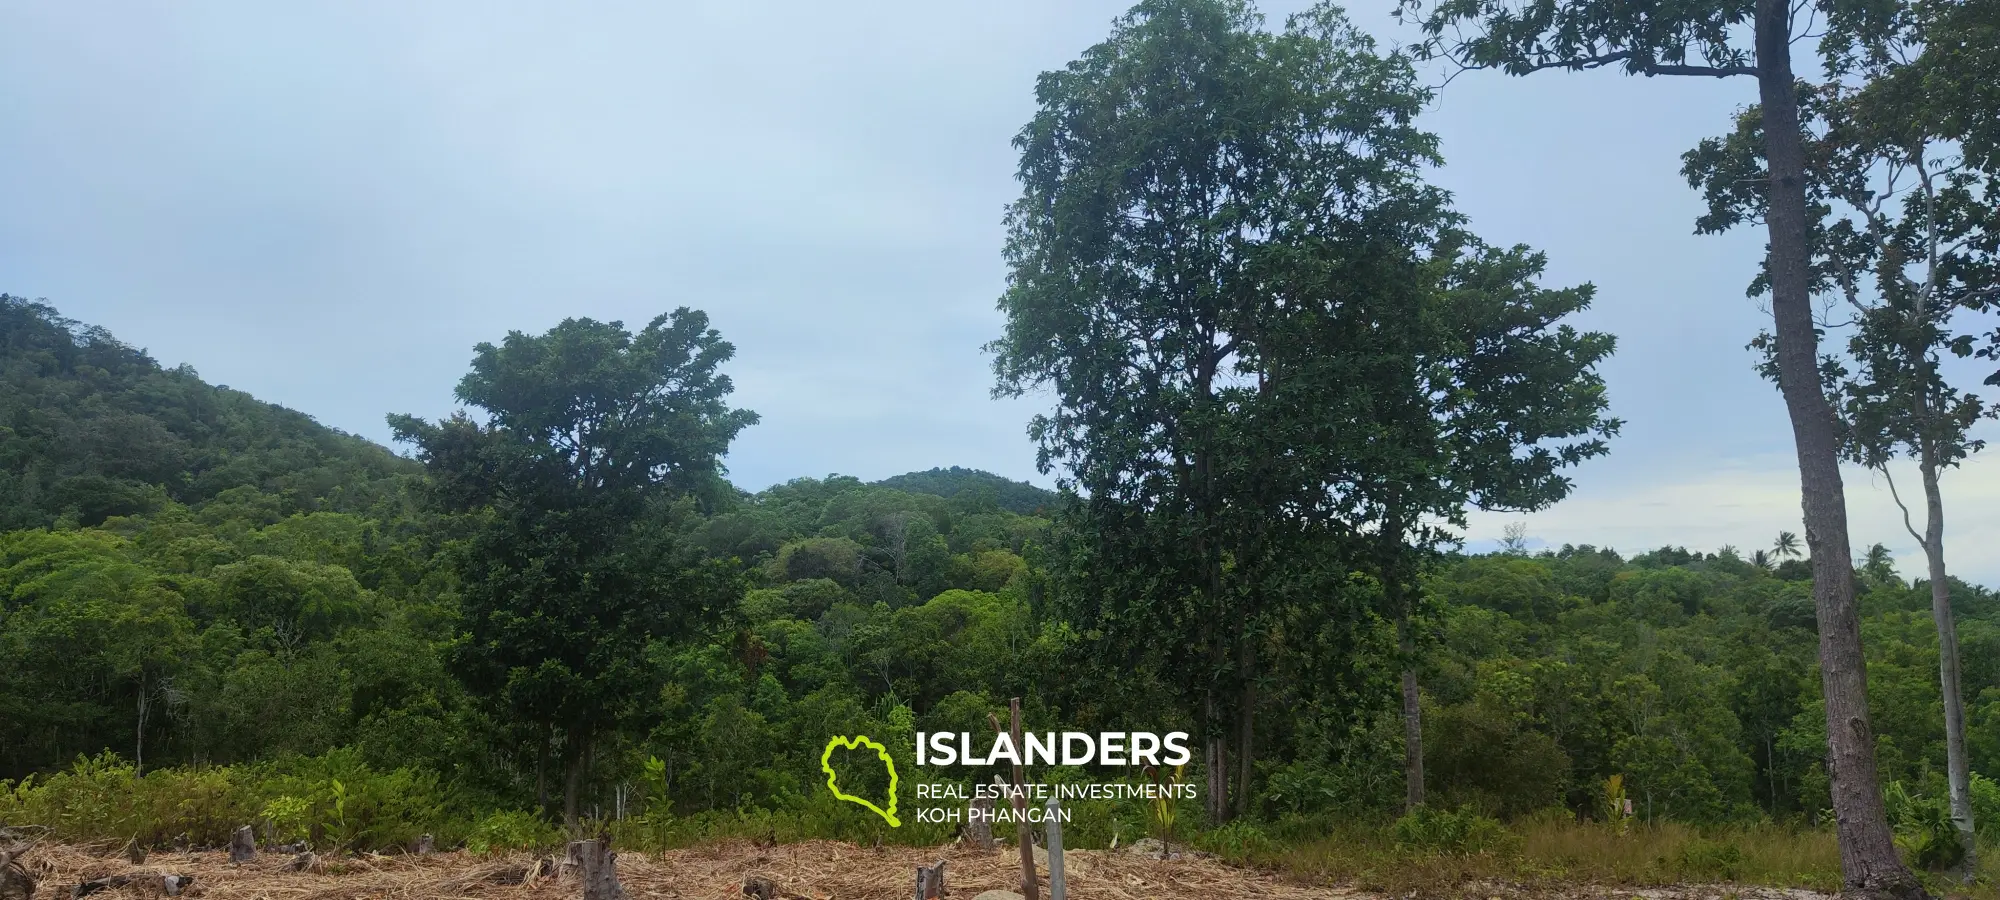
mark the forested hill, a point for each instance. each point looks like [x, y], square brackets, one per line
[192, 579]
[1013, 496]
[92, 428]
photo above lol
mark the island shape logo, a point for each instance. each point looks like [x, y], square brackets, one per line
[832, 778]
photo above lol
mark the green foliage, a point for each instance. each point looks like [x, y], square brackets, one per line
[511, 830]
[1452, 831]
[1924, 829]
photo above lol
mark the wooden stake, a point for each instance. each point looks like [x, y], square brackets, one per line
[1030, 887]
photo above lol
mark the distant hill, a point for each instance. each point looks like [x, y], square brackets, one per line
[1014, 496]
[91, 427]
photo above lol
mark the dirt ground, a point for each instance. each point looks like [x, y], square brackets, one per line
[819, 870]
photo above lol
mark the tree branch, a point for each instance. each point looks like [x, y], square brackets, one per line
[1649, 69]
[1921, 543]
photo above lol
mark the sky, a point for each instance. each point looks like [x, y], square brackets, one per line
[328, 204]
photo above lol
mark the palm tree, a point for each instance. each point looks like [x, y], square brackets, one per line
[1787, 545]
[1762, 560]
[1879, 564]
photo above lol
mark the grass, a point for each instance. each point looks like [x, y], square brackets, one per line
[1551, 853]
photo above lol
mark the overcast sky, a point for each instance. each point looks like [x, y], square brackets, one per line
[329, 204]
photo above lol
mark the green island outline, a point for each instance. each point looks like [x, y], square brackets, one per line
[852, 743]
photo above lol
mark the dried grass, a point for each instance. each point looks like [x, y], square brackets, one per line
[824, 870]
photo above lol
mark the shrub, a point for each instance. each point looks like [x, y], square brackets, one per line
[1238, 841]
[1924, 829]
[1452, 831]
[1711, 859]
[511, 830]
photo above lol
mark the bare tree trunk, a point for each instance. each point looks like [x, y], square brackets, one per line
[1413, 718]
[1246, 723]
[542, 774]
[139, 749]
[1958, 771]
[1869, 863]
[1396, 597]
[573, 783]
[1217, 771]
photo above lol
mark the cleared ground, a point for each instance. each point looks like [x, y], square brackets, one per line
[820, 870]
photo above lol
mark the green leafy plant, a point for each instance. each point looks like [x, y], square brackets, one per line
[511, 830]
[1461, 831]
[1614, 804]
[1924, 829]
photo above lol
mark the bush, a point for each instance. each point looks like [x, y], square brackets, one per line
[1449, 831]
[511, 830]
[1238, 842]
[334, 797]
[1711, 859]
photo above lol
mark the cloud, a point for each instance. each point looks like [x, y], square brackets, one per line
[1745, 503]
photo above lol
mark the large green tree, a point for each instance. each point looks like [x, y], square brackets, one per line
[578, 485]
[1706, 39]
[1463, 388]
[1169, 178]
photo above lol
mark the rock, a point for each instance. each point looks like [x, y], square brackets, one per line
[999, 895]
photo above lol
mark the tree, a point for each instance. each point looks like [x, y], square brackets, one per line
[1907, 237]
[1177, 180]
[1700, 39]
[1462, 388]
[1787, 545]
[579, 487]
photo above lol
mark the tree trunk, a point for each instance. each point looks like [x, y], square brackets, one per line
[542, 773]
[242, 845]
[1413, 718]
[573, 784]
[1396, 597]
[1958, 771]
[1868, 860]
[139, 748]
[1246, 722]
[1217, 771]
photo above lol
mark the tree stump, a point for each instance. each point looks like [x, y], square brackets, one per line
[930, 881]
[599, 870]
[15, 882]
[243, 845]
[425, 844]
[979, 823]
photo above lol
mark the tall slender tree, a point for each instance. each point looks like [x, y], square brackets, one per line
[1702, 39]
[1907, 239]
